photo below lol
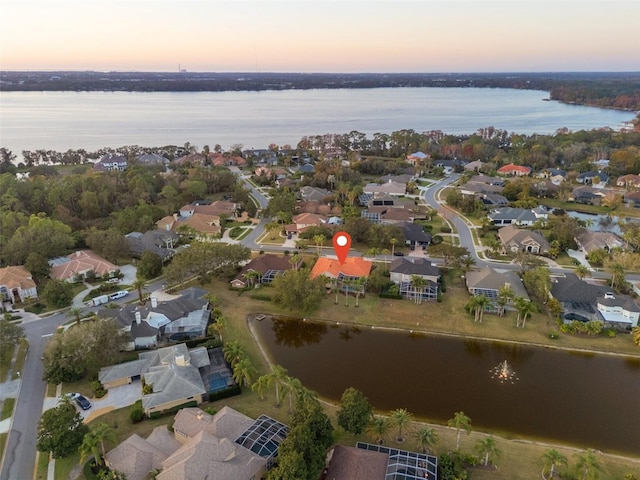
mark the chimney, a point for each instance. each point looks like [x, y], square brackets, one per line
[154, 302]
[138, 318]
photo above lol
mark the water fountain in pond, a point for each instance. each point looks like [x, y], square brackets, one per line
[503, 372]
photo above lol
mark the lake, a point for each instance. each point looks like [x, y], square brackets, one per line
[581, 399]
[92, 120]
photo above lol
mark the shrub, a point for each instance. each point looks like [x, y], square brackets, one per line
[444, 229]
[231, 391]
[553, 335]
[98, 390]
[137, 413]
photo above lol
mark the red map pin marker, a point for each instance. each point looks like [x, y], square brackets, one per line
[341, 245]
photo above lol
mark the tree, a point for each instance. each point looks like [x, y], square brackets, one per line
[50, 238]
[61, 431]
[582, 271]
[354, 412]
[303, 452]
[538, 282]
[243, 372]
[635, 332]
[427, 438]
[617, 273]
[139, 284]
[278, 377]
[296, 290]
[587, 465]
[477, 304]
[460, 422]
[261, 385]
[58, 293]
[93, 442]
[393, 241]
[451, 254]
[75, 313]
[319, 241]
[110, 243]
[378, 428]
[552, 459]
[401, 417]
[417, 284]
[10, 336]
[38, 266]
[150, 265]
[219, 325]
[233, 352]
[488, 449]
[505, 294]
[524, 307]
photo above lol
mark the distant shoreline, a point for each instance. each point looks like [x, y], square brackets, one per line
[616, 90]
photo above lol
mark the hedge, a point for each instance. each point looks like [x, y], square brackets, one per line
[228, 392]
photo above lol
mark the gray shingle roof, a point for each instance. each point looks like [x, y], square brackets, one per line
[489, 279]
[414, 266]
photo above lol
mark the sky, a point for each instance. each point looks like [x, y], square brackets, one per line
[349, 36]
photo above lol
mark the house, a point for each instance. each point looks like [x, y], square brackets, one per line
[493, 200]
[313, 193]
[489, 282]
[618, 311]
[402, 178]
[160, 242]
[415, 236]
[577, 297]
[76, 266]
[474, 166]
[555, 175]
[306, 169]
[403, 270]
[389, 188]
[184, 317]
[417, 158]
[509, 215]
[596, 179]
[450, 166]
[16, 284]
[224, 446]
[302, 221]
[378, 462]
[475, 188]
[389, 215]
[632, 199]
[343, 276]
[136, 457]
[196, 225]
[586, 195]
[589, 240]
[514, 170]
[515, 240]
[628, 181]
[223, 160]
[151, 159]
[110, 163]
[262, 270]
[217, 208]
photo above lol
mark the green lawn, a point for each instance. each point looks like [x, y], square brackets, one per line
[7, 408]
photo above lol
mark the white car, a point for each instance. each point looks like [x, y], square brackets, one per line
[117, 295]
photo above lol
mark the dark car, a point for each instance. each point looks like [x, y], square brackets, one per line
[81, 401]
[398, 254]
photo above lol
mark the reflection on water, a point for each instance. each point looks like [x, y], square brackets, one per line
[433, 377]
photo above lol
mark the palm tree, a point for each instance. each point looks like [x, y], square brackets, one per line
[582, 271]
[93, 442]
[212, 299]
[400, 417]
[553, 458]
[427, 438]
[466, 262]
[250, 277]
[482, 303]
[504, 295]
[319, 241]
[75, 313]
[233, 352]
[378, 428]
[218, 326]
[393, 241]
[617, 274]
[587, 465]
[346, 284]
[270, 227]
[294, 260]
[261, 385]
[417, 284]
[278, 377]
[243, 372]
[139, 284]
[487, 448]
[524, 307]
[472, 307]
[460, 422]
[358, 283]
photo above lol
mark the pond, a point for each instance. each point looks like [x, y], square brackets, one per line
[589, 400]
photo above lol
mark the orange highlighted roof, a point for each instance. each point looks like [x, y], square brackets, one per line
[353, 267]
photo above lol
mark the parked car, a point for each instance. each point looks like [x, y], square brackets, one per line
[81, 401]
[117, 295]
[398, 254]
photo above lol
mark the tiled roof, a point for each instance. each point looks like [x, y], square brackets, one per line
[353, 267]
[135, 457]
[350, 463]
[79, 263]
[16, 277]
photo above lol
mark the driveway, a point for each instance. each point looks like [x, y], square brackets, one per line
[118, 397]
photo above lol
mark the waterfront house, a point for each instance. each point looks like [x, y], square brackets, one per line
[110, 163]
[595, 179]
[589, 240]
[403, 270]
[262, 270]
[152, 159]
[417, 158]
[489, 282]
[629, 181]
[344, 276]
[509, 215]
